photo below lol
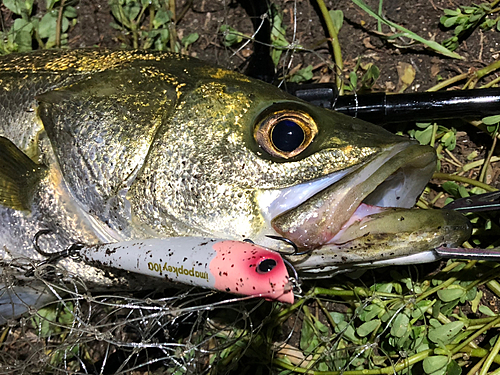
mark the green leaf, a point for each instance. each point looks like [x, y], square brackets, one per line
[449, 140]
[435, 364]
[132, 10]
[370, 312]
[15, 6]
[470, 295]
[308, 339]
[337, 17]
[353, 79]
[70, 12]
[302, 75]
[162, 17]
[28, 6]
[486, 310]
[50, 4]
[445, 333]
[476, 301]
[384, 287]
[231, 36]
[491, 120]
[190, 39]
[451, 188]
[420, 308]
[424, 136]
[448, 21]
[453, 368]
[423, 125]
[24, 41]
[451, 12]
[347, 332]
[400, 325]
[20, 24]
[337, 317]
[451, 293]
[47, 25]
[366, 328]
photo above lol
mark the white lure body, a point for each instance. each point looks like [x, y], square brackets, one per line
[230, 266]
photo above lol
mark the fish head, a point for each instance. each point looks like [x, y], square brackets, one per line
[242, 159]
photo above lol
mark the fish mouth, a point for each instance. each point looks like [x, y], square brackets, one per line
[394, 178]
[354, 211]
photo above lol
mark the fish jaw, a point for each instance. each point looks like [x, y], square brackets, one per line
[363, 218]
[395, 178]
[394, 236]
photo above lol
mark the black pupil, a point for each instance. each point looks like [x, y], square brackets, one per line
[266, 265]
[287, 135]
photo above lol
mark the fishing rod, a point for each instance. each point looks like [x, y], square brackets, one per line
[380, 108]
[377, 108]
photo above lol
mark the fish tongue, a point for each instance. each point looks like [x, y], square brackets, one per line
[316, 221]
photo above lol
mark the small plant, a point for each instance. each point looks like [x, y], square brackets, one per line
[368, 78]
[465, 20]
[49, 30]
[149, 24]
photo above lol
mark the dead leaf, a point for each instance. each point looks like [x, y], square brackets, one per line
[390, 86]
[367, 44]
[406, 76]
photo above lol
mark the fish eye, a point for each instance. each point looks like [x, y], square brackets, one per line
[266, 266]
[285, 134]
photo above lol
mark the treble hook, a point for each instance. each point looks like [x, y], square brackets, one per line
[70, 251]
[289, 242]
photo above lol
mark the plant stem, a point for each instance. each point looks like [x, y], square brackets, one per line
[475, 335]
[484, 170]
[443, 285]
[465, 180]
[334, 40]
[59, 24]
[448, 82]
[386, 370]
[491, 356]
[171, 26]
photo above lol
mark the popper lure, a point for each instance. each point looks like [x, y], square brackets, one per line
[230, 266]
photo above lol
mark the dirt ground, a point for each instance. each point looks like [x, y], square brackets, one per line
[358, 37]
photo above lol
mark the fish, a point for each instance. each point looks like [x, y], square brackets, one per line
[110, 146]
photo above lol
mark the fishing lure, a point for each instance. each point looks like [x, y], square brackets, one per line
[237, 267]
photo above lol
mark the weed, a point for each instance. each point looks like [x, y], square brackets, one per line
[31, 30]
[149, 24]
[465, 19]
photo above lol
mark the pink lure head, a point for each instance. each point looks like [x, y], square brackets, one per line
[248, 269]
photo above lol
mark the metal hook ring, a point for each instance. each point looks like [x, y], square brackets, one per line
[289, 242]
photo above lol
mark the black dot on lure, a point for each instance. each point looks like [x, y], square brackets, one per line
[287, 135]
[266, 266]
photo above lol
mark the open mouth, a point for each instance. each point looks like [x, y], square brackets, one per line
[394, 178]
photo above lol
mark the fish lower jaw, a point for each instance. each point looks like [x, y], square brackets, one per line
[393, 179]
[393, 236]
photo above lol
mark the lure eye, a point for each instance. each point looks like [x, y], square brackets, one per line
[285, 134]
[266, 266]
